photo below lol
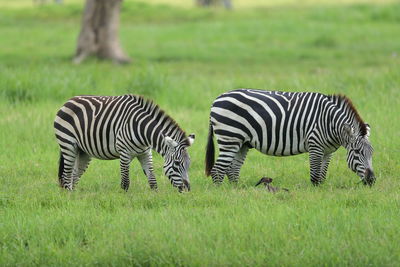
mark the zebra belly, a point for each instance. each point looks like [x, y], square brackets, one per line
[273, 149]
[284, 153]
[225, 134]
[100, 149]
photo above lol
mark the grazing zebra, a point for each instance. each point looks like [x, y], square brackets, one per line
[120, 127]
[284, 124]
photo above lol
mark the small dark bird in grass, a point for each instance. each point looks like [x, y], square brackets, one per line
[267, 182]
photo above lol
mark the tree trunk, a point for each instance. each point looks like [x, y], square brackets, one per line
[227, 3]
[203, 2]
[99, 32]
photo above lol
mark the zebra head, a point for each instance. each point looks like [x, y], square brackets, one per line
[359, 153]
[177, 162]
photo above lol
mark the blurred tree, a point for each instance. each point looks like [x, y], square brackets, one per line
[99, 32]
[227, 3]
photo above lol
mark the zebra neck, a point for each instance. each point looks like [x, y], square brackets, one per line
[349, 114]
[339, 122]
[151, 124]
[158, 141]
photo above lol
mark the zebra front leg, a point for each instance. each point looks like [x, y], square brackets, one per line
[146, 161]
[124, 161]
[81, 163]
[324, 165]
[316, 157]
[234, 170]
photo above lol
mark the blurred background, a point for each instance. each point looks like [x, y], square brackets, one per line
[178, 46]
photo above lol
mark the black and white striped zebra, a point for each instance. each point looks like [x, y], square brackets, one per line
[284, 124]
[120, 127]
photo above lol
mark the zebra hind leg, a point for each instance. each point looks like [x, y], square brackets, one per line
[146, 161]
[81, 163]
[67, 163]
[234, 170]
[227, 153]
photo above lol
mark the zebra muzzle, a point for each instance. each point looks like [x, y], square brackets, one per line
[187, 185]
[184, 187]
[369, 177]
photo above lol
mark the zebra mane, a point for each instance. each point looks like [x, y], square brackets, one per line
[343, 102]
[153, 106]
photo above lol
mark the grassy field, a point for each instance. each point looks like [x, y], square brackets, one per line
[183, 58]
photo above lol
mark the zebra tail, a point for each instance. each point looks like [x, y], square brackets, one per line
[60, 169]
[210, 151]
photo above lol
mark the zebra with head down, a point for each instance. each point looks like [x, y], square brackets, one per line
[283, 124]
[120, 127]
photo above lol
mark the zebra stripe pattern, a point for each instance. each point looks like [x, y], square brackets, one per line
[119, 127]
[284, 124]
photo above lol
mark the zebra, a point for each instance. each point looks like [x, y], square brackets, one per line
[284, 124]
[120, 127]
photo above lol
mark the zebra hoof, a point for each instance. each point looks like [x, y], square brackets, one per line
[217, 183]
[68, 188]
[125, 187]
[315, 183]
[154, 187]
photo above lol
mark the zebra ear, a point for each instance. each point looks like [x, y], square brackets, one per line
[368, 129]
[170, 142]
[191, 138]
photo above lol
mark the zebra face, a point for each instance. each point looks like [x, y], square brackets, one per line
[177, 162]
[359, 158]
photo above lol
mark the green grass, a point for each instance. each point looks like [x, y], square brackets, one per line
[183, 59]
